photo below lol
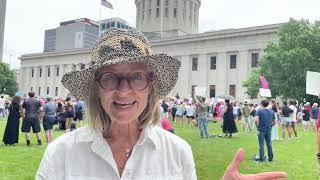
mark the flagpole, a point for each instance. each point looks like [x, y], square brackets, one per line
[161, 19]
[100, 21]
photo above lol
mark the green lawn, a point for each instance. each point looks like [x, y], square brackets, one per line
[297, 157]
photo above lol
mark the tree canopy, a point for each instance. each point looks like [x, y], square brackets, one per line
[285, 63]
[8, 83]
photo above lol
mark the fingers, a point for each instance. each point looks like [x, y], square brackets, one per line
[269, 175]
[238, 158]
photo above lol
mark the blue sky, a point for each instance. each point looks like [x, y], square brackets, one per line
[26, 21]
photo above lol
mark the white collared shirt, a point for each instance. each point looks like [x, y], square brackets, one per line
[85, 155]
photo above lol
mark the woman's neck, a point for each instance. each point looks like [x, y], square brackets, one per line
[129, 132]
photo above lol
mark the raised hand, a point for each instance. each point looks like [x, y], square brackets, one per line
[232, 171]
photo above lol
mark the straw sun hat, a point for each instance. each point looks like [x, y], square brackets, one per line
[118, 46]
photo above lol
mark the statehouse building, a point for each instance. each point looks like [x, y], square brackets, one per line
[219, 60]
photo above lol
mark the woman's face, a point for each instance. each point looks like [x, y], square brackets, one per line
[124, 101]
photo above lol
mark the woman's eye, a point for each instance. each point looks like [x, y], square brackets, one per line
[137, 76]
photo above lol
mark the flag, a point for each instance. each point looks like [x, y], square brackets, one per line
[106, 3]
[264, 83]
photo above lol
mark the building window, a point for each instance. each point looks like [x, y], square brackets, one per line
[232, 90]
[56, 91]
[158, 12]
[193, 88]
[143, 5]
[194, 64]
[254, 59]
[48, 88]
[48, 72]
[158, 2]
[149, 13]
[184, 5]
[40, 72]
[31, 89]
[113, 24]
[166, 12]
[174, 12]
[74, 67]
[57, 71]
[213, 62]
[82, 66]
[212, 91]
[233, 61]
[167, 3]
[39, 91]
[32, 72]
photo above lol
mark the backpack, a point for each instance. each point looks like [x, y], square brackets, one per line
[69, 108]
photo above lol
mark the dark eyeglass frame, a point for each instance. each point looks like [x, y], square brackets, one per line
[149, 77]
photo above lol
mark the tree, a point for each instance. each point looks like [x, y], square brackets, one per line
[252, 84]
[8, 83]
[285, 63]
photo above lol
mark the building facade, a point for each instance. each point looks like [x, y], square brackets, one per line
[218, 61]
[79, 33]
[113, 23]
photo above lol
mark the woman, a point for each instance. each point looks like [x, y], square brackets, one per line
[229, 125]
[122, 86]
[11, 133]
[49, 118]
[274, 130]
[69, 112]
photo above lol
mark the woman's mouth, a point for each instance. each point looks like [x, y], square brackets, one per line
[123, 105]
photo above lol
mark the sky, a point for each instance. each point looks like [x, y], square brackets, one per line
[26, 21]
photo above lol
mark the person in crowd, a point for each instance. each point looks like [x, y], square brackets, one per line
[318, 143]
[165, 107]
[274, 130]
[286, 120]
[2, 106]
[217, 112]
[179, 113]
[49, 119]
[11, 132]
[7, 106]
[306, 118]
[265, 119]
[122, 86]
[293, 116]
[229, 125]
[235, 110]
[314, 112]
[69, 112]
[253, 111]
[246, 115]
[202, 118]
[79, 110]
[31, 109]
[173, 111]
[165, 124]
[190, 112]
[73, 126]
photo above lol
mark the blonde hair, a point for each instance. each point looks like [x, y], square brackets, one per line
[100, 120]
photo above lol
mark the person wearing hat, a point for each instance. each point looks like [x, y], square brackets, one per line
[122, 87]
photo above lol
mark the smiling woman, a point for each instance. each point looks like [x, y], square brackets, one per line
[122, 87]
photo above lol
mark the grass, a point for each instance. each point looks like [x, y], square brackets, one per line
[297, 157]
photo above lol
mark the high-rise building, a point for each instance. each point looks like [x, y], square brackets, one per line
[113, 23]
[167, 18]
[3, 4]
[79, 33]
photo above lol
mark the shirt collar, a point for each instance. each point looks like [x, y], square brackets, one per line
[148, 135]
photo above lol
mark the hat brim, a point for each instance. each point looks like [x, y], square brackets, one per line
[164, 67]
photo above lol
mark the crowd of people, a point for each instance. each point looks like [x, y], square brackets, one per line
[34, 112]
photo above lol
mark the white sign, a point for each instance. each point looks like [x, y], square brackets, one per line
[200, 91]
[265, 92]
[78, 41]
[313, 83]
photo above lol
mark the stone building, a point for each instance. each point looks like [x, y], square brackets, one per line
[218, 60]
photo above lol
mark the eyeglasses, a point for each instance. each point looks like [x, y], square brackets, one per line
[137, 81]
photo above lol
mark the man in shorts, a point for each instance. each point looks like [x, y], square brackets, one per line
[286, 120]
[79, 111]
[31, 109]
